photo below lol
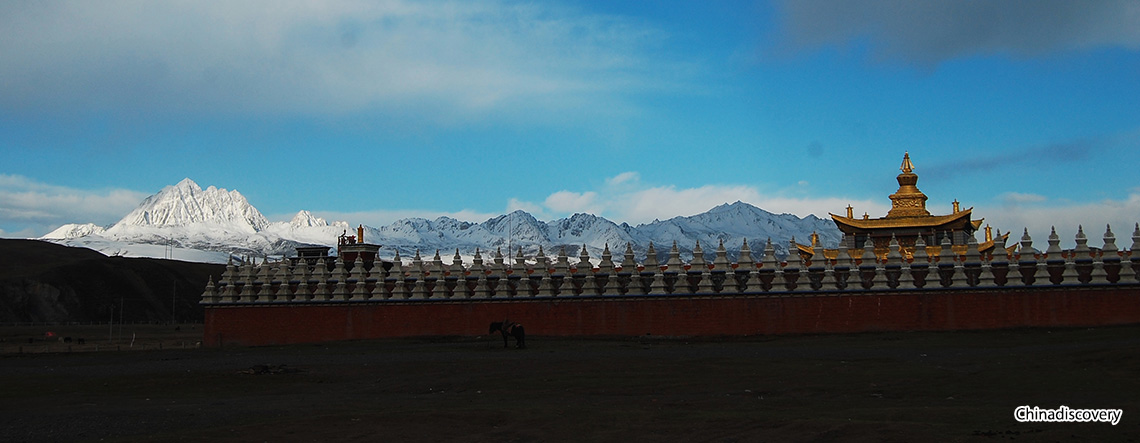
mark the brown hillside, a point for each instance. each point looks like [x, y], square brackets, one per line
[46, 282]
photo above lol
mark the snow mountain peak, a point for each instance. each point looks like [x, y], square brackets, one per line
[186, 203]
[306, 219]
[73, 230]
[188, 184]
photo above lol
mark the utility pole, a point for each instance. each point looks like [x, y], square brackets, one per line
[120, 318]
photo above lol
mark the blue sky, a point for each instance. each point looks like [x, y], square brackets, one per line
[373, 111]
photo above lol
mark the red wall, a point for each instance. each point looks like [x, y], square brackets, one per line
[677, 316]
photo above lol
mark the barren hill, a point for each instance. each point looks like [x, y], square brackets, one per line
[46, 282]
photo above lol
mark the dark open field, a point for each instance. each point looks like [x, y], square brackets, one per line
[947, 386]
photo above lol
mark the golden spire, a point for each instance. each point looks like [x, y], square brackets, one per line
[907, 167]
[908, 201]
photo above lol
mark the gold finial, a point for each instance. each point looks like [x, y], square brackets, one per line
[908, 201]
[866, 216]
[956, 206]
[907, 167]
[850, 212]
[989, 233]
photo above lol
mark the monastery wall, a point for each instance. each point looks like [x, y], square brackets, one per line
[279, 303]
[680, 315]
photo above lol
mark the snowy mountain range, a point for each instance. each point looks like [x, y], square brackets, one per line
[188, 223]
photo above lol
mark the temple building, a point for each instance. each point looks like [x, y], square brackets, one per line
[907, 220]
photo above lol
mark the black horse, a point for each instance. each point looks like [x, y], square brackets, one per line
[509, 328]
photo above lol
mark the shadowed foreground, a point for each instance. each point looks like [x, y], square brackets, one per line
[949, 386]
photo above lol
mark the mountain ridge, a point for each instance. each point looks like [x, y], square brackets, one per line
[216, 223]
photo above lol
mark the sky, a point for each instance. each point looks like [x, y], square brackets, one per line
[372, 111]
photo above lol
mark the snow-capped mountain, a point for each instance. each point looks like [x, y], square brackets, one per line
[186, 204]
[305, 219]
[304, 229]
[593, 231]
[733, 223]
[73, 230]
[184, 221]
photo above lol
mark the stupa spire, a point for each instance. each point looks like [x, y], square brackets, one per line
[908, 201]
[907, 167]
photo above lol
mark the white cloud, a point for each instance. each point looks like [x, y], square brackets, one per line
[930, 32]
[1013, 198]
[624, 178]
[625, 199]
[451, 59]
[1040, 215]
[566, 201]
[36, 208]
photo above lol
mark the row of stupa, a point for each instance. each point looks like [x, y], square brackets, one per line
[359, 281]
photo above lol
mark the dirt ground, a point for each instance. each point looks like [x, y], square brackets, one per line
[945, 386]
[98, 338]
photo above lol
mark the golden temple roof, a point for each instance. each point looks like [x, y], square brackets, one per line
[930, 221]
[908, 209]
